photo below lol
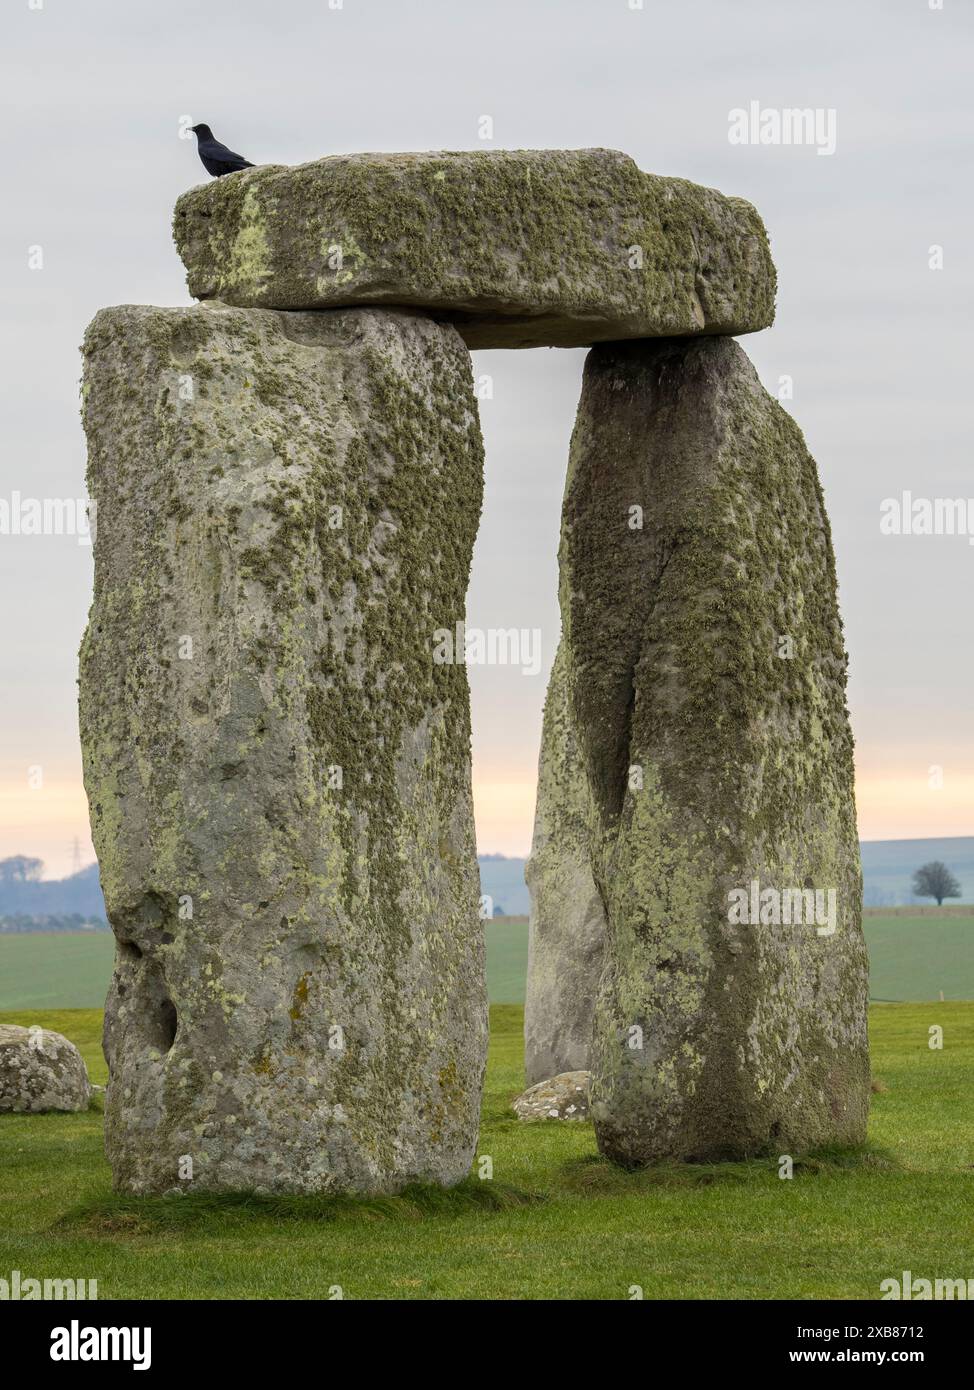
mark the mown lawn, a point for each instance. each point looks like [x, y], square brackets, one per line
[555, 1221]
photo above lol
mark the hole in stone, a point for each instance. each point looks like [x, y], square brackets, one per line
[168, 1023]
[146, 992]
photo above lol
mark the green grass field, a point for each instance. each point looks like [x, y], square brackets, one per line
[912, 957]
[55, 970]
[507, 959]
[556, 1221]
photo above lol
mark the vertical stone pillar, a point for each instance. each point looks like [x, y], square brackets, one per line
[277, 770]
[706, 672]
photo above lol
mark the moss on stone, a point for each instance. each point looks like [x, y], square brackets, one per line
[752, 1037]
[314, 906]
[521, 247]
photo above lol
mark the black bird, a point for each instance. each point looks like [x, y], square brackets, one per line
[216, 158]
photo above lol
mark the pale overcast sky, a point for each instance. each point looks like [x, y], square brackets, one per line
[876, 342]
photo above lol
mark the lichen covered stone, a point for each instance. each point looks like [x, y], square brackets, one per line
[520, 248]
[40, 1070]
[706, 670]
[278, 772]
[563, 1097]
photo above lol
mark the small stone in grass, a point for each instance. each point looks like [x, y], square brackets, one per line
[562, 1097]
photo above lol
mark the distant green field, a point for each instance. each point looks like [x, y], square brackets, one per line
[911, 959]
[914, 958]
[507, 959]
[56, 970]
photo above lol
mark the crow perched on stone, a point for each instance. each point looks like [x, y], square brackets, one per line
[216, 158]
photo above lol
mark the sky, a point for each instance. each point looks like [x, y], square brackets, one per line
[872, 323]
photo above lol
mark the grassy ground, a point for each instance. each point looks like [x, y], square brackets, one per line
[913, 955]
[555, 1221]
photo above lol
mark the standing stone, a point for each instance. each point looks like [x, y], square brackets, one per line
[520, 248]
[278, 772]
[566, 930]
[706, 671]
